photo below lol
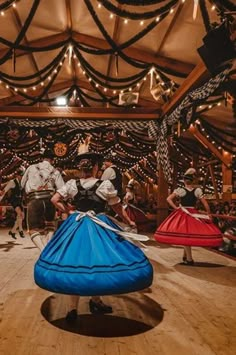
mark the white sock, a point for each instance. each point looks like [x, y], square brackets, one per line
[37, 240]
[49, 235]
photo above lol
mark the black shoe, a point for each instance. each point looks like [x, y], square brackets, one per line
[13, 235]
[188, 262]
[72, 316]
[22, 234]
[184, 258]
[99, 307]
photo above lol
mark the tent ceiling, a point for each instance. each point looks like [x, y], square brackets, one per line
[76, 37]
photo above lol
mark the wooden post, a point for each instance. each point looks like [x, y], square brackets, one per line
[162, 194]
[175, 173]
[227, 177]
[214, 182]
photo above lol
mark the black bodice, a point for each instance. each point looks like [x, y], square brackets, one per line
[117, 182]
[87, 199]
[189, 199]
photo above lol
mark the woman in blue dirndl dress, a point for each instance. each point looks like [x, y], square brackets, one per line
[89, 255]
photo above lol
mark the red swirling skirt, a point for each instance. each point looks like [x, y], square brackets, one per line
[181, 228]
[138, 216]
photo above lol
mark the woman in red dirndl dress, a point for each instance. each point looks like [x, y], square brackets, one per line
[135, 214]
[185, 225]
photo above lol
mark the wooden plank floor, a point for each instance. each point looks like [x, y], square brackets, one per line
[188, 310]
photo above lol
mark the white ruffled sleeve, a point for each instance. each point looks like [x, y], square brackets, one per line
[107, 192]
[198, 192]
[68, 190]
[180, 192]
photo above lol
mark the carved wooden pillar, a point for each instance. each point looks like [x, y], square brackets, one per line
[162, 194]
[227, 177]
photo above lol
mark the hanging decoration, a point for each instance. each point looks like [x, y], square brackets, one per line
[60, 149]
[159, 131]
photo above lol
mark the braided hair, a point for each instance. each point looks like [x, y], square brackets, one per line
[86, 165]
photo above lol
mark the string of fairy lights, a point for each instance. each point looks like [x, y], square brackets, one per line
[6, 5]
[168, 87]
[111, 15]
[71, 53]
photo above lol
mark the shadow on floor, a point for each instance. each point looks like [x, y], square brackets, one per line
[8, 246]
[216, 273]
[132, 314]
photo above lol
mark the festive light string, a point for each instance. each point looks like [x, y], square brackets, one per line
[114, 11]
[8, 164]
[139, 167]
[141, 17]
[7, 5]
[141, 145]
[128, 154]
[217, 142]
[201, 109]
[55, 70]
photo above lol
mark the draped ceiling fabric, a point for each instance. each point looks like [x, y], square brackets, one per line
[95, 51]
[157, 131]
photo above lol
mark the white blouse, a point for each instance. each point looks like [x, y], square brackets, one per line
[105, 190]
[37, 174]
[180, 192]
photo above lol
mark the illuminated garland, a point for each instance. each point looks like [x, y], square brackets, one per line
[139, 2]
[22, 33]
[138, 16]
[7, 4]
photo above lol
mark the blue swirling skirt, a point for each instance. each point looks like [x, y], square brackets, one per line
[86, 259]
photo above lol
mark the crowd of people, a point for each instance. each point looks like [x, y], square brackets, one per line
[226, 224]
[89, 253]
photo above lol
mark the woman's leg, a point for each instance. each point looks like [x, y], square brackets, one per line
[96, 305]
[20, 218]
[188, 253]
[73, 304]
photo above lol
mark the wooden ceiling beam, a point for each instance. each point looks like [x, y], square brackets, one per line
[19, 24]
[39, 43]
[195, 78]
[77, 113]
[115, 37]
[171, 25]
[137, 54]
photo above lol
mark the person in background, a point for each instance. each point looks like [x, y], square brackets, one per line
[87, 256]
[112, 173]
[186, 226]
[135, 213]
[15, 199]
[129, 195]
[40, 182]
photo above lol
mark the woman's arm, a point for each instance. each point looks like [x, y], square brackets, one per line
[205, 204]
[58, 202]
[170, 200]
[118, 208]
[128, 196]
